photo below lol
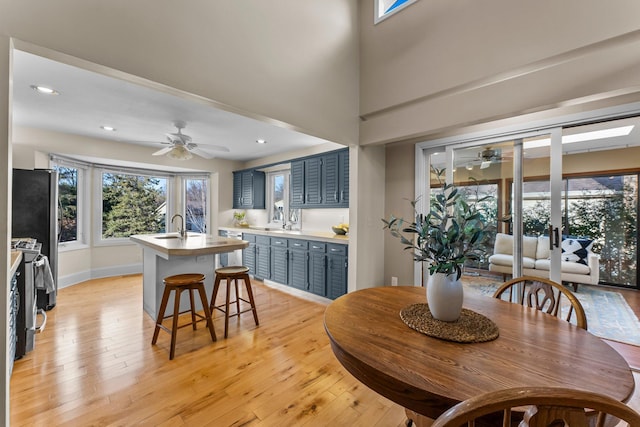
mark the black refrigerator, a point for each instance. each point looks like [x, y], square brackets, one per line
[35, 215]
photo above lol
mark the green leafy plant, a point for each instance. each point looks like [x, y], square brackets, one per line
[239, 216]
[451, 233]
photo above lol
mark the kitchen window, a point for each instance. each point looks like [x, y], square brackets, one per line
[196, 203]
[72, 202]
[132, 202]
[278, 196]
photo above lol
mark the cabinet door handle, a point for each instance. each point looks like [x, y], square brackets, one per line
[315, 247]
[335, 250]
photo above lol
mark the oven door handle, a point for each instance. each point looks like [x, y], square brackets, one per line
[44, 321]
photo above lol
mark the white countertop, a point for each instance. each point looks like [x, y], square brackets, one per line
[328, 236]
[193, 244]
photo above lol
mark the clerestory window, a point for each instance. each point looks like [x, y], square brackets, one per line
[386, 8]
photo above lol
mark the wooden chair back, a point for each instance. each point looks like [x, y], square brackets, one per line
[543, 294]
[544, 407]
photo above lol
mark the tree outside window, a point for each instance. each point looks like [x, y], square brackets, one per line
[67, 203]
[196, 205]
[132, 204]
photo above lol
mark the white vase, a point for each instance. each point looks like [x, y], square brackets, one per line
[444, 296]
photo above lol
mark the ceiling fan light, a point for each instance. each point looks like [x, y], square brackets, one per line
[178, 152]
[485, 164]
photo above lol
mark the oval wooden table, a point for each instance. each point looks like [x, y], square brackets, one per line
[428, 375]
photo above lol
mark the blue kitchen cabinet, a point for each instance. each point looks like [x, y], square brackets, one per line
[263, 257]
[320, 181]
[280, 260]
[298, 263]
[317, 268]
[248, 189]
[296, 184]
[249, 253]
[309, 265]
[343, 180]
[337, 269]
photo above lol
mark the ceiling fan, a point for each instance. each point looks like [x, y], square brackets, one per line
[489, 156]
[180, 146]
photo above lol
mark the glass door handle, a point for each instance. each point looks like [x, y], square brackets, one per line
[554, 237]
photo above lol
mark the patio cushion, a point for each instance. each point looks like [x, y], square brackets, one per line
[565, 266]
[542, 251]
[529, 247]
[576, 250]
[507, 260]
[503, 244]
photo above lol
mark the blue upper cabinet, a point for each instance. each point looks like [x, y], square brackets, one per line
[296, 187]
[313, 181]
[321, 181]
[248, 189]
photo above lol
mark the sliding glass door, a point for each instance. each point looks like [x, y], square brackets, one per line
[570, 189]
[524, 207]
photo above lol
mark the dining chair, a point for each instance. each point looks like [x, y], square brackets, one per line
[543, 406]
[542, 294]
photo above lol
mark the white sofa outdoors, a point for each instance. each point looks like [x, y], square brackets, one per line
[579, 267]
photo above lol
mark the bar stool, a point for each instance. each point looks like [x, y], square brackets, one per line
[233, 273]
[178, 283]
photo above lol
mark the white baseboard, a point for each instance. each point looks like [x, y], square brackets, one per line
[99, 273]
[297, 292]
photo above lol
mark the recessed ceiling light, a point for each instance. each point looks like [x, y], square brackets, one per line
[261, 141]
[109, 128]
[45, 90]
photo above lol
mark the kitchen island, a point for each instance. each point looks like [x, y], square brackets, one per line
[168, 254]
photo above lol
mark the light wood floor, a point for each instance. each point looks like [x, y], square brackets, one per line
[94, 365]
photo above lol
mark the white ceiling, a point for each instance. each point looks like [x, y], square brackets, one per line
[141, 115]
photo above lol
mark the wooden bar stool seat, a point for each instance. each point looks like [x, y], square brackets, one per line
[178, 283]
[233, 273]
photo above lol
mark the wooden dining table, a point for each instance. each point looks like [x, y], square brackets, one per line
[428, 375]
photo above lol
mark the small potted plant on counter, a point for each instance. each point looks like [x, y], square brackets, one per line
[239, 219]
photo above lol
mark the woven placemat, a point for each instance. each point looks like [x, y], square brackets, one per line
[471, 327]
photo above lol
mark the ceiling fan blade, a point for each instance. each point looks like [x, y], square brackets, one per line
[201, 153]
[164, 150]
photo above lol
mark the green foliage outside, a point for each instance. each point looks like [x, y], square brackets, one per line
[132, 205]
[68, 203]
[609, 217]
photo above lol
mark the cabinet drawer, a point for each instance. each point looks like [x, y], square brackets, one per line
[337, 249]
[263, 240]
[279, 242]
[251, 238]
[317, 246]
[299, 244]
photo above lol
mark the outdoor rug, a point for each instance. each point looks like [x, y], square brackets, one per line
[608, 314]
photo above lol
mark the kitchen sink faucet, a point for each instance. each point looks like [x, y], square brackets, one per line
[181, 230]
